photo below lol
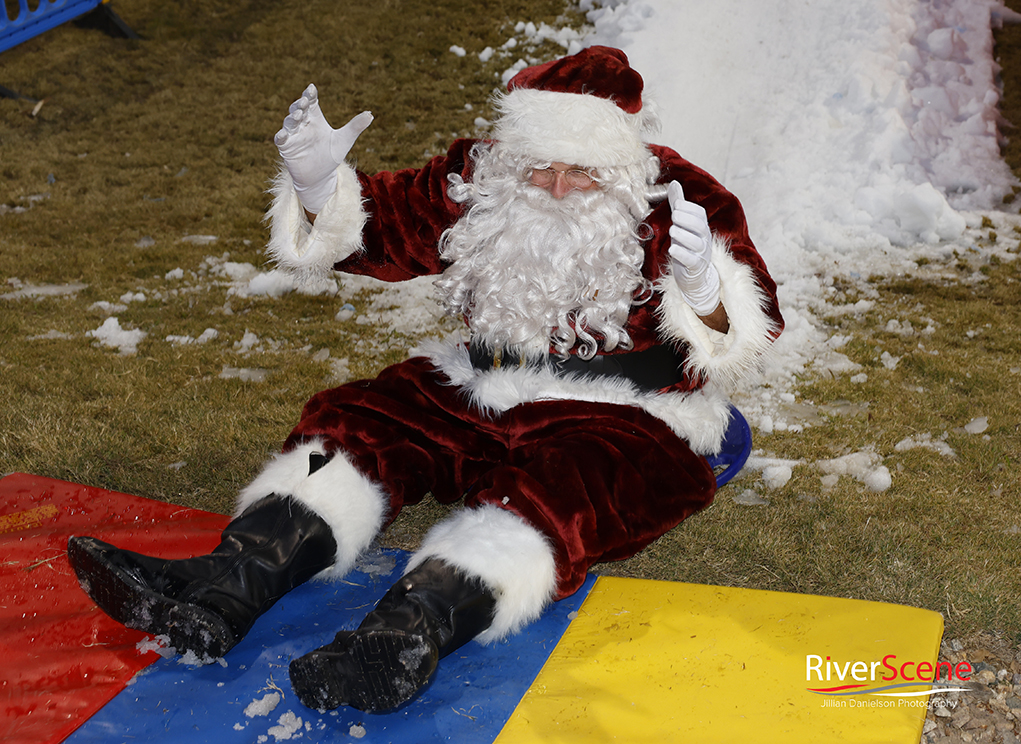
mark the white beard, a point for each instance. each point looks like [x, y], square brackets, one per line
[529, 271]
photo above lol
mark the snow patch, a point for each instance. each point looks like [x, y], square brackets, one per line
[112, 335]
[287, 725]
[44, 290]
[51, 335]
[158, 644]
[977, 425]
[376, 563]
[263, 706]
[865, 466]
[749, 497]
[245, 374]
[198, 239]
[925, 441]
[777, 476]
[205, 337]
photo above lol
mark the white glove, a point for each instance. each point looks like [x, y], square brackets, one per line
[312, 149]
[690, 253]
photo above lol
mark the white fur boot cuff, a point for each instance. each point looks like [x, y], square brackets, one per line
[350, 503]
[510, 556]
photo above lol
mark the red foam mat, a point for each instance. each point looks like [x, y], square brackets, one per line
[62, 658]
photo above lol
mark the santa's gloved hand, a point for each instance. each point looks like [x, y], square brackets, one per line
[690, 253]
[312, 149]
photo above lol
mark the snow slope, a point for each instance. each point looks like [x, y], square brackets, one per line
[860, 135]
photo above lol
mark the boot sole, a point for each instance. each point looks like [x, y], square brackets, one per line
[377, 670]
[130, 602]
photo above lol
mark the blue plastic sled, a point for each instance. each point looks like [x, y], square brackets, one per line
[737, 445]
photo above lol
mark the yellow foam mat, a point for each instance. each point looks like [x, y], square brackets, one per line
[653, 661]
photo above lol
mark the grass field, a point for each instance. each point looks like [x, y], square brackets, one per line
[133, 186]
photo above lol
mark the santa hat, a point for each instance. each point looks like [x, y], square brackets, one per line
[585, 109]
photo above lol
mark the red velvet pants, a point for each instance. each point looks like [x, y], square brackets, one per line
[601, 481]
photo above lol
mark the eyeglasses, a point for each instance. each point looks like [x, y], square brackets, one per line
[577, 178]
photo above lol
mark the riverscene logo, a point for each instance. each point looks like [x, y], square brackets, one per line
[893, 678]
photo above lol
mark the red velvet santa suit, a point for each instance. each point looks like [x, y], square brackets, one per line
[599, 467]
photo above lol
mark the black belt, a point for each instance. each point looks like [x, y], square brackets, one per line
[652, 369]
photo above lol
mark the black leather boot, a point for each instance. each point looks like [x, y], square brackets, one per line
[434, 610]
[207, 604]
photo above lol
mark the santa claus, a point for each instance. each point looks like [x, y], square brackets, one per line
[612, 293]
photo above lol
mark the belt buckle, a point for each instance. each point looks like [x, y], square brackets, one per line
[498, 358]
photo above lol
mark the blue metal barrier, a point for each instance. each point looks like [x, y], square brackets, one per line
[31, 23]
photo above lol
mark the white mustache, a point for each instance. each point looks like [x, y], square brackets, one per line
[656, 193]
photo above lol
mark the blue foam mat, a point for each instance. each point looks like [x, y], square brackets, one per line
[474, 692]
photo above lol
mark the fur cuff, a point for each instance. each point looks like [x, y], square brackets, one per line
[508, 554]
[721, 358]
[310, 251]
[585, 130]
[351, 505]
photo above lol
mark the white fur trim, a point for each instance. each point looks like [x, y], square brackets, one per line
[310, 251]
[350, 503]
[510, 556]
[723, 359]
[570, 128]
[700, 418]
